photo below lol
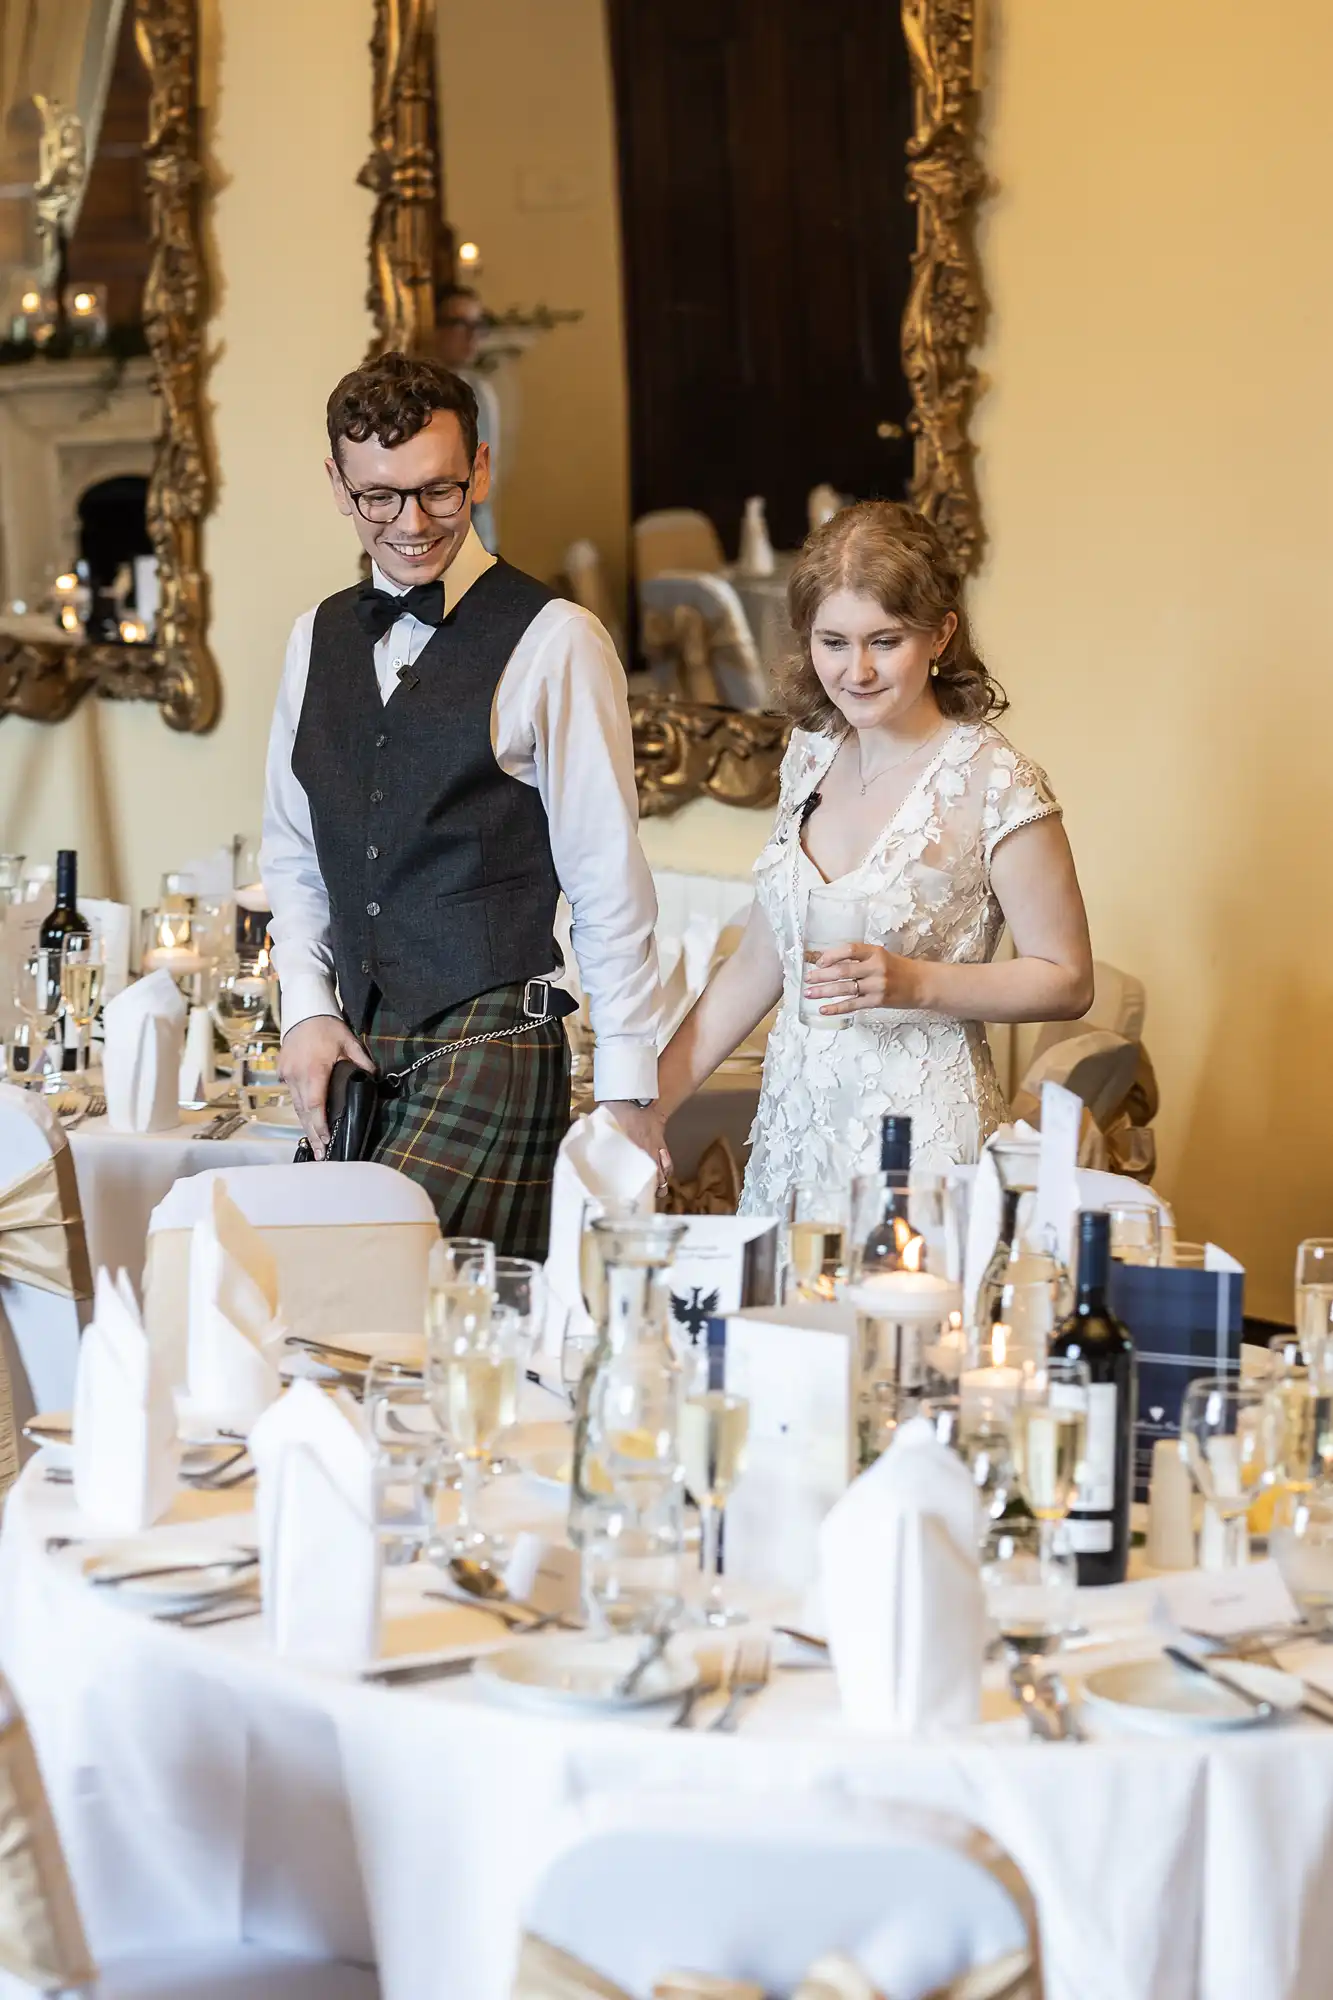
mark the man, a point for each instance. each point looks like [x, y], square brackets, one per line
[460, 322]
[450, 748]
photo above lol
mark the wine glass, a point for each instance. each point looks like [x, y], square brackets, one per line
[520, 1290]
[1048, 1441]
[82, 971]
[1030, 1597]
[817, 1225]
[472, 1387]
[407, 1448]
[1227, 1446]
[37, 997]
[714, 1427]
[239, 996]
[460, 1286]
[1136, 1232]
[1314, 1294]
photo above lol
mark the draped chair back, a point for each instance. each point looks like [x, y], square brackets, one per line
[761, 1889]
[675, 538]
[587, 586]
[697, 641]
[41, 1933]
[351, 1239]
[45, 1281]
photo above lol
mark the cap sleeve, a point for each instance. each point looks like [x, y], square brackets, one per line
[1018, 792]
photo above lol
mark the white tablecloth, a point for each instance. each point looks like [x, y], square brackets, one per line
[207, 1790]
[122, 1177]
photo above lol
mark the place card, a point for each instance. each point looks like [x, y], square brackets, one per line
[547, 1575]
[1057, 1168]
[1220, 1603]
[724, 1264]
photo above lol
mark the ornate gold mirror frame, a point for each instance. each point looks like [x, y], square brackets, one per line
[46, 682]
[686, 750]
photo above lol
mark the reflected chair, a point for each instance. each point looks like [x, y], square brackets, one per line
[352, 1240]
[697, 642]
[675, 538]
[587, 586]
[761, 1888]
[42, 1943]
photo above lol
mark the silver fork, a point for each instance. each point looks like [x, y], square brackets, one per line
[749, 1676]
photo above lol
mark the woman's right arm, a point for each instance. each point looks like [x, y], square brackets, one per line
[733, 1003]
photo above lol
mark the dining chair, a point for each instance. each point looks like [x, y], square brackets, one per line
[351, 1239]
[675, 538]
[761, 1887]
[697, 641]
[45, 1281]
[43, 1948]
[583, 571]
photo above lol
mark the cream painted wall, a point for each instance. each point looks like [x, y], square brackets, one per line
[287, 230]
[529, 173]
[1156, 458]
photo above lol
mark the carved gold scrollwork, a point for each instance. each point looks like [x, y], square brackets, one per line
[403, 173]
[685, 750]
[46, 682]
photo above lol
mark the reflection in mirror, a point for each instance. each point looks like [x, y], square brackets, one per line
[102, 482]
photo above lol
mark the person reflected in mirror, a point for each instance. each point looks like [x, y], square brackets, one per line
[450, 750]
[899, 790]
[461, 321]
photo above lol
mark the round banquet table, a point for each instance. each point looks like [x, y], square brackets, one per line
[207, 1790]
[122, 1176]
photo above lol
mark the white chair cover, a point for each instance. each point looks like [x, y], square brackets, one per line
[675, 538]
[587, 586]
[697, 641]
[39, 1329]
[1119, 1003]
[352, 1241]
[759, 1888]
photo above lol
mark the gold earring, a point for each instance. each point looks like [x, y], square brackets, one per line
[934, 669]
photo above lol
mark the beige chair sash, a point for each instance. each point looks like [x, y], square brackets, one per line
[547, 1973]
[41, 1230]
[41, 1934]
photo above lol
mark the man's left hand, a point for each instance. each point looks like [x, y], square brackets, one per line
[646, 1127]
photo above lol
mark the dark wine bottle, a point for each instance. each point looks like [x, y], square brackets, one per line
[64, 921]
[884, 1246]
[1099, 1522]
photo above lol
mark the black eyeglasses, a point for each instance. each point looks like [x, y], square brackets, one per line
[441, 500]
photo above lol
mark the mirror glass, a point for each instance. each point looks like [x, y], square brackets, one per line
[78, 417]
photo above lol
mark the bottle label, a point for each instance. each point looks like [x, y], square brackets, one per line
[1096, 1493]
[1089, 1538]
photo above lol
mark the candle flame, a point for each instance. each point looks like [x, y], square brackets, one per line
[999, 1346]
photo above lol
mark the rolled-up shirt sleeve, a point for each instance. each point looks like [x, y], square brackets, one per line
[302, 953]
[582, 752]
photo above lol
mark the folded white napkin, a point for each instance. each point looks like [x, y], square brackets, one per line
[235, 1337]
[901, 1589]
[315, 1505]
[684, 965]
[196, 1070]
[141, 1061]
[125, 1455]
[597, 1169]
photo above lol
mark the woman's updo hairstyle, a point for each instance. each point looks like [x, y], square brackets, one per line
[883, 550]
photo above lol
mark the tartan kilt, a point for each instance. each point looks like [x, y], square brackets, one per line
[480, 1129]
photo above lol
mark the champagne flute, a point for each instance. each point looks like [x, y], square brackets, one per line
[82, 970]
[1314, 1295]
[239, 995]
[474, 1379]
[817, 1229]
[520, 1290]
[714, 1428]
[1049, 1442]
[37, 997]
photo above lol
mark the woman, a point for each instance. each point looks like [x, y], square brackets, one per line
[898, 788]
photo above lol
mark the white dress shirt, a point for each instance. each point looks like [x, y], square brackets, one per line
[558, 722]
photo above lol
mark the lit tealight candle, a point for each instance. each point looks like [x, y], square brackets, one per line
[996, 1384]
[904, 1295]
[175, 959]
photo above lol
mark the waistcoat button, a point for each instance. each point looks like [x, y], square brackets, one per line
[372, 854]
[372, 909]
[366, 965]
[376, 797]
[381, 740]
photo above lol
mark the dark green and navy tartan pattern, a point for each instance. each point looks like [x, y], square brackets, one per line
[480, 1129]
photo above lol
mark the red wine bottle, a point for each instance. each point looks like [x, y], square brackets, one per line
[1099, 1520]
[64, 921]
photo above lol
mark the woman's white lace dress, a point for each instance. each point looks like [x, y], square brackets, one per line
[928, 889]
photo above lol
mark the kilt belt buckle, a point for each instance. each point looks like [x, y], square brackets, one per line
[537, 999]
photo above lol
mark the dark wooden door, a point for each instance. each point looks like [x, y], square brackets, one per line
[766, 246]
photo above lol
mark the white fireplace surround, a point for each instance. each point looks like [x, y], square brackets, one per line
[63, 430]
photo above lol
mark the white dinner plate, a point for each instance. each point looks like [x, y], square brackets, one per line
[552, 1466]
[212, 1582]
[580, 1674]
[1166, 1700]
[53, 1433]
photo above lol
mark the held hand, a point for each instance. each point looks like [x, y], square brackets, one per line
[305, 1059]
[647, 1128]
[852, 978]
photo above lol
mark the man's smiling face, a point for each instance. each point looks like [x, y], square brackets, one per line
[417, 547]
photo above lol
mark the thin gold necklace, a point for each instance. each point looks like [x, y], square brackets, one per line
[865, 783]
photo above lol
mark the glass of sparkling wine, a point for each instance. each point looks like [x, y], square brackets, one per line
[817, 1231]
[831, 918]
[477, 1378]
[1048, 1443]
[238, 999]
[1314, 1296]
[82, 971]
[714, 1427]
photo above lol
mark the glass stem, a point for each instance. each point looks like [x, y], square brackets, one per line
[1046, 1538]
[1236, 1541]
[712, 1546]
[469, 1484]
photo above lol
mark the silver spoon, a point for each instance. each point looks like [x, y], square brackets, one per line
[478, 1580]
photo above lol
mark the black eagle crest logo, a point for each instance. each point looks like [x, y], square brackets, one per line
[694, 1313]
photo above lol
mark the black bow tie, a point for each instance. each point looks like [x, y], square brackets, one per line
[379, 609]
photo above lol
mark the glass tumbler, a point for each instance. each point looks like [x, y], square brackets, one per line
[831, 918]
